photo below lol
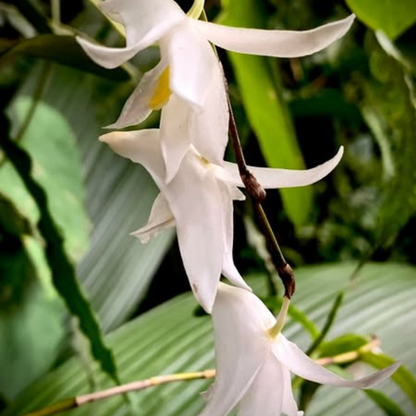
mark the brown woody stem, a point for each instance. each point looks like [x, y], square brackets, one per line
[258, 194]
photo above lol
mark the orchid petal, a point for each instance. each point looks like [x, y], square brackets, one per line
[239, 361]
[109, 57]
[284, 178]
[265, 395]
[290, 407]
[192, 195]
[209, 127]
[160, 219]
[175, 137]
[277, 43]
[228, 268]
[192, 63]
[153, 16]
[141, 146]
[137, 107]
[290, 354]
[156, 19]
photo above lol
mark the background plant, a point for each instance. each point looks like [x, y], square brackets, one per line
[290, 113]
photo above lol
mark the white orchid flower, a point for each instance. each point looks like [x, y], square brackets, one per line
[254, 360]
[189, 70]
[198, 201]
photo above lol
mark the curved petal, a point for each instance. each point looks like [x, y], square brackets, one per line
[160, 219]
[141, 146]
[290, 355]
[265, 395]
[228, 268]
[284, 178]
[145, 22]
[278, 43]
[137, 107]
[175, 134]
[193, 197]
[142, 17]
[108, 57]
[241, 346]
[290, 407]
[192, 63]
[209, 127]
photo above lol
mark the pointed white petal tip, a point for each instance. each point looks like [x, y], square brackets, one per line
[138, 234]
[299, 363]
[110, 137]
[111, 126]
[277, 43]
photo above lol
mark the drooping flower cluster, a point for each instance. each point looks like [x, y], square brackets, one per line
[197, 187]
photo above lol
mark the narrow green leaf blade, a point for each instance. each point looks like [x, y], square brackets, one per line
[328, 324]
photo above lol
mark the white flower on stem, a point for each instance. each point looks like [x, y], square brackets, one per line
[254, 360]
[188, 81]
[199, 202]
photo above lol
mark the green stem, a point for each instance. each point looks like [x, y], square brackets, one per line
[276, 329]
[78, 401]
[196, 9]
[258, 194]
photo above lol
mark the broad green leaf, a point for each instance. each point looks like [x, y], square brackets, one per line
[30, 336]
[12, 222]
[62, 270]
[266, 109]
[57, 167]
[393, 18]
[389, 407]
[16, 269]
[170, 339]
[117, 269]
[62, 50]
[25, 309]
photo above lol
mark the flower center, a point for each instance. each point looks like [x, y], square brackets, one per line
[204, 161]
[196, 9]
[162, 91]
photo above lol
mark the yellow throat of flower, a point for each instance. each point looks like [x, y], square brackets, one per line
[162, 91]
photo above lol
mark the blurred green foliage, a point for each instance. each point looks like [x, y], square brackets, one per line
[291, 113]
